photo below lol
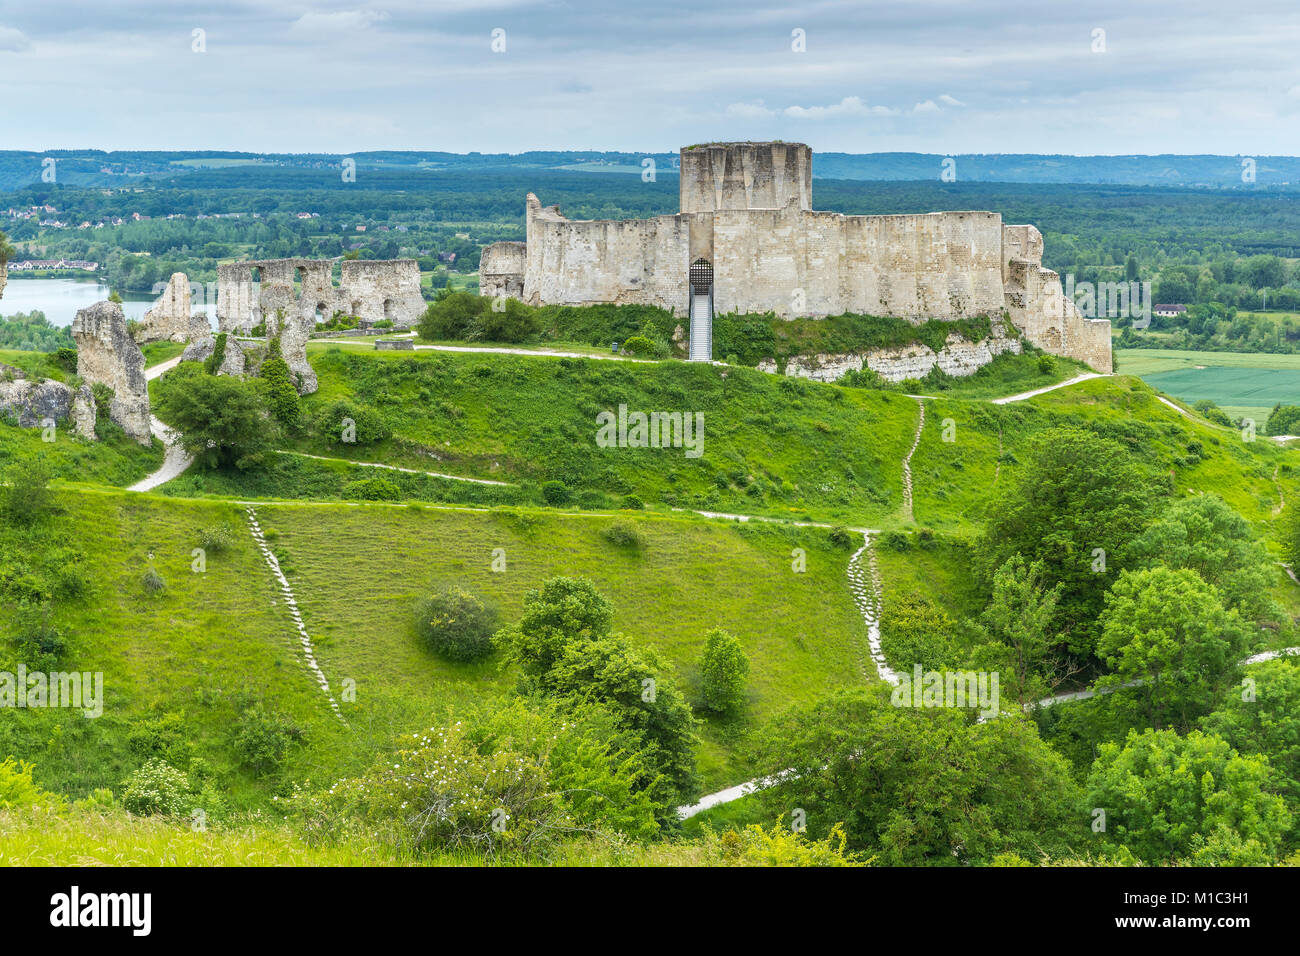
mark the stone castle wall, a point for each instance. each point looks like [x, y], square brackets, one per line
[746, 208]
[372, 290]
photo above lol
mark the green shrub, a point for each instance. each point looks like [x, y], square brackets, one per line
[223, 421]
[639, 345]
[25, 495]
[343, 420]
[216, 539]
[556, 493]
[372, 489]
[456, 625]
[624, 535]
[17, 789]
[157, 789]
[153, 582]
[514, 323]
[723, 670]
[262, 739]
[66, 359]
[1046, 365]
[41, 645]
[452, 316]
[633, 503]
[841, 537]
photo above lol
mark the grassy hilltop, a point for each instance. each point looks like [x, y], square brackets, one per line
[203, 668]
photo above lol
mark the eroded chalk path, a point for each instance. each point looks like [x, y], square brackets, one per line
[907, 463]
[175, 461]
[304, 640]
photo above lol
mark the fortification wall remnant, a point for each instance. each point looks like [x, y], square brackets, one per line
[171, 317]
[371, 289]
[746, 210]
[108, 355]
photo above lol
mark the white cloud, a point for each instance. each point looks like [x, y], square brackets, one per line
[754, 110]
[13, 41]
[947, 100]
[928, 106]
[849, 106]
[344, 21]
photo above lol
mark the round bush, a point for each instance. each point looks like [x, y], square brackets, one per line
[556, 493]
[456, 625]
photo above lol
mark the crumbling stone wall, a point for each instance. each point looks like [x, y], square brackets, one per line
[1039, 308]
[108, 355]
[171, 318]
[958, 358]
[789, 261]
[372, 290]
[501, 269]
[383, 289]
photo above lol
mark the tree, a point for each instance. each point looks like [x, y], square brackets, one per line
[1019, 622]
[1165, 795]
[223, 420]
[1203, 534]
[921, 785]
[1168, 630]
[1080, 501]
[723, 671]
[565, 650]
[1265, 719]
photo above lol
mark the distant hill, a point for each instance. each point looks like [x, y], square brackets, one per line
[99, 168]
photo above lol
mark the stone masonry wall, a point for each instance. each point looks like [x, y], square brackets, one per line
[501, 269]
[373, 290]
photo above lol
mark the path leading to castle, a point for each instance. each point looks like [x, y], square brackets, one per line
[175, 461]
[907, 464]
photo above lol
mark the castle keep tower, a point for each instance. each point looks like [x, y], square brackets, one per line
[717, 176]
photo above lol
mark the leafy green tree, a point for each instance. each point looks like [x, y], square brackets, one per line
[917, 785]
[1168, 630]
[1022, 646]
[1283, 420]
[1201, 533]
[915, 630]
[564, 648]
[452, 316]
[1265, 719]
[1079, 502]
[723, 671]
[223, 420]
[1165, 795]
[561, 610]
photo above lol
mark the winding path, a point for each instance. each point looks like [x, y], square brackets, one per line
[175, 461]
[907, 464]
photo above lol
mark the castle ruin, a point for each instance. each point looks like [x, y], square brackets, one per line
[748, 240]
[250, 292]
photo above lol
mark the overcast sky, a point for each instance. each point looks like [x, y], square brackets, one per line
[935, 76]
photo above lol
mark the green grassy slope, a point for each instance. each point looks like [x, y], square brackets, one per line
[772, 445]
[214, 639]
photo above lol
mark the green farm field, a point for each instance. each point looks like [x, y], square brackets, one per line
[1243, 384]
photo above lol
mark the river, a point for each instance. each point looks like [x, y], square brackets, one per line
[60, 299]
